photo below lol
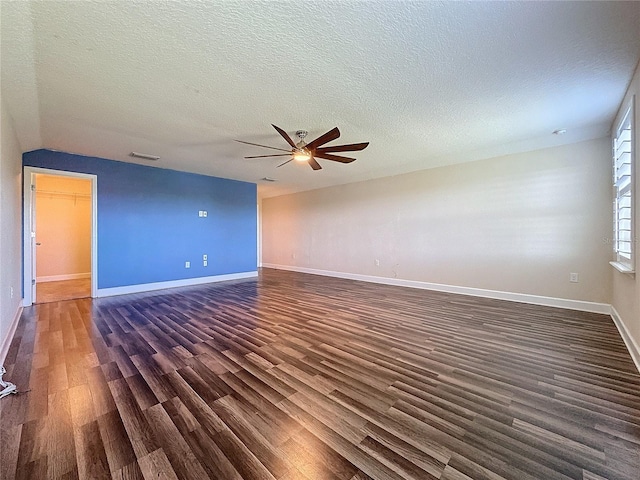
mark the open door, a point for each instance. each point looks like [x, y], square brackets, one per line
[32, 236]
[35, 274]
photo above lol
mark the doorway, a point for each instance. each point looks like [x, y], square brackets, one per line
[60, 236]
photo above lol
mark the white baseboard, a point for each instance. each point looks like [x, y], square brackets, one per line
[59, 278]
[147, 287]
[594, 307]
[6, 341]
[632, 346]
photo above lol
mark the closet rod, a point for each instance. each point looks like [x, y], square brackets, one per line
[53, 192]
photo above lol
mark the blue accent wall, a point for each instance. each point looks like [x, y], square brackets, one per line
[148, 223]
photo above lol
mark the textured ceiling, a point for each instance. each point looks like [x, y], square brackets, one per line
[427, 83]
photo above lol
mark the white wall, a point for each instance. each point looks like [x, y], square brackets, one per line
[518, 223]
[10, 227]
[626, 287]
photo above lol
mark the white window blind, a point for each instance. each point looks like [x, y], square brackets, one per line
[622, 183]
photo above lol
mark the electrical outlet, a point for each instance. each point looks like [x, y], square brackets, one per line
[204, 263]
[11, 292]
[377, 262]
[573, 277]
[200, 213]
[187, 264]
[293, 255]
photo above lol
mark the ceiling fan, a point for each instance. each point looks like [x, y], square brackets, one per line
[308, 152]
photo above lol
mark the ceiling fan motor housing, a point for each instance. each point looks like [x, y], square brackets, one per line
[301, 134]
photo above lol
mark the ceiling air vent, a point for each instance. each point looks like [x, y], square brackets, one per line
[144, 156]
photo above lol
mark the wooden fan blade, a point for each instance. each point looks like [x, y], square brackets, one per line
[315, 165]
[265, 146]
[265, 156]
[335, 158]
[352, 147]
[284, 135]
[285, 163]
[322, 139]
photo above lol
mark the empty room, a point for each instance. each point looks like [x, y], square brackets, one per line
[319, 240]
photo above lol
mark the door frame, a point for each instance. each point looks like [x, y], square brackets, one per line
[28, 211]
[259, 233]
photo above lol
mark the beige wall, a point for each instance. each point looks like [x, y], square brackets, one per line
[63, 227]
[519, 223]
[626, 287]
[10, 226]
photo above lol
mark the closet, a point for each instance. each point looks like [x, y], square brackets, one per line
[63, 238]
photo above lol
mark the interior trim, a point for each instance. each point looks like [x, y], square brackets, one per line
[584, 306]
[147, 287]
[6, 341]
[621, 267]
[632, 346]
[28, 270]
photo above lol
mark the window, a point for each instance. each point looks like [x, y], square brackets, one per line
[623, 152]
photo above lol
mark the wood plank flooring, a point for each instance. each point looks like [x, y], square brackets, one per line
[47, 292]
[299, 377]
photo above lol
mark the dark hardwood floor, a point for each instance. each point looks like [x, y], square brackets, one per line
[293, 377]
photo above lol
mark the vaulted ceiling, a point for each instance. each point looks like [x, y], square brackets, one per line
[427, 83]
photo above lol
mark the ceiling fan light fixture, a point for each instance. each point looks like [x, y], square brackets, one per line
[301, 155]
[309, 152]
